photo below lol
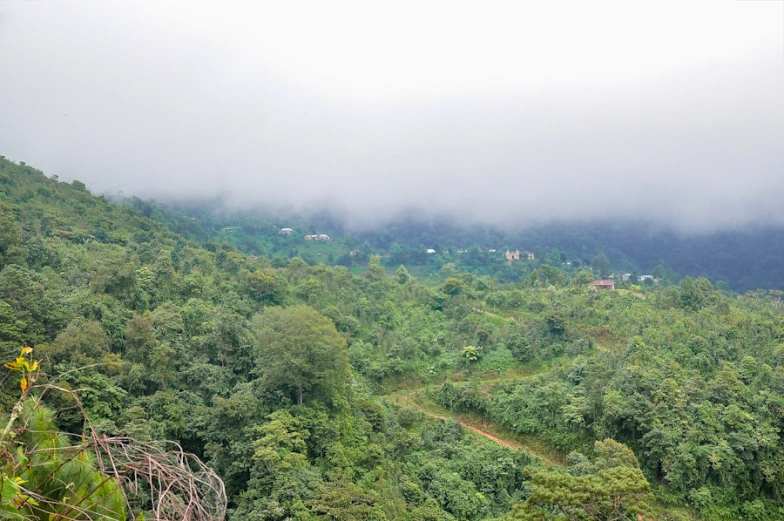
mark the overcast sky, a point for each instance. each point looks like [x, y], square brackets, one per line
[496, 111]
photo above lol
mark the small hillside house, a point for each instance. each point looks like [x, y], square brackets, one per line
[285, 231]
[603, 284]
[517, 255]
[317, 237]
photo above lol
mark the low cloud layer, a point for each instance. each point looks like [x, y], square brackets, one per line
[508, 115]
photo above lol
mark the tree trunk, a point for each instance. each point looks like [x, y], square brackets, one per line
[299, 395]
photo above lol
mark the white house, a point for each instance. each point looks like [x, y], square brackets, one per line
[431, 250]
[317, 237]
[285, 231]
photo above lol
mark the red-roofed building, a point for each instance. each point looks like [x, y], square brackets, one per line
[603, 284]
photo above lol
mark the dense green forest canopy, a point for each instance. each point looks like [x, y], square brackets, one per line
[340, 392]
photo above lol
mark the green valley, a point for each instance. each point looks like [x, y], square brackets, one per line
[368, 388]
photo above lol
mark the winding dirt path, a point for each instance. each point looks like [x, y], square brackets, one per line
[468, 426]
[405, 401]
[489, 436]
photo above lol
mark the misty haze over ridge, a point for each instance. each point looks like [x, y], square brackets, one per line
[509, 116]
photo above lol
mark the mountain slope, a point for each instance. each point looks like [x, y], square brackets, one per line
[214, 349]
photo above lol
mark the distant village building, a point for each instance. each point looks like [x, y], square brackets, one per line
[431, 250]
[491, 250]
[643, 278]
[317, 237]
[285, 231]
[517, 255]
[603, 284]
[354, 253]
[626, 276]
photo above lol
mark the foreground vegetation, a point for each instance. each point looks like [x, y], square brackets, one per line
[273, 374]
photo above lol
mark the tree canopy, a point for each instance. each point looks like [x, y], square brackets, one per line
[299, 350]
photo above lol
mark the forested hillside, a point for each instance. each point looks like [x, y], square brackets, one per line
[286, 378]
[742, 260]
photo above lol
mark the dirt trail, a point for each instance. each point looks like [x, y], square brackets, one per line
[412, 398]
[491, 437]
[477, 430]
[404, 400]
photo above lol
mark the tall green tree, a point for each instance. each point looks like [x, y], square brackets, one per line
[299, 350]
[601, 265]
